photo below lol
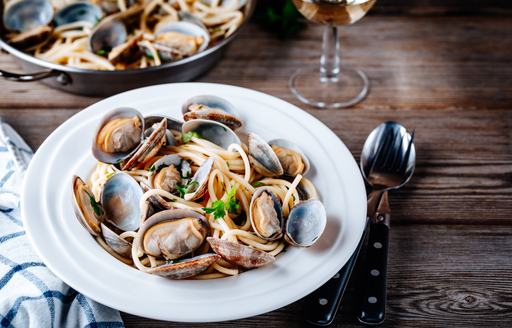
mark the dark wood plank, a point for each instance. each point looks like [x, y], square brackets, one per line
[438, 275]
[413, 63]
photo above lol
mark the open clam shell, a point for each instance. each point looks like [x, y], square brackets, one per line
[266, 215]
[78, 12]
[213, 131]
[107, 35]
[173, 233]
[149, 147]
[213, 108]
[172, 125]
[201, 177]
[292, 158]
[242, 255]
[263, 157]
[25, 15]
[306, 223]
[87, 211]
[177, 40]
[120, 199]
[166, 173]
[185, 268]
[118, 136]
[118, 244]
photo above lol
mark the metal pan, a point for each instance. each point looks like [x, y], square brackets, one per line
[106, 83]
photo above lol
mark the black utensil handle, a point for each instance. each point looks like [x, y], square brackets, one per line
[373, 303]
[322, 305]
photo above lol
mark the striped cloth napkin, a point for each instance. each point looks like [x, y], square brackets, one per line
[30, 294]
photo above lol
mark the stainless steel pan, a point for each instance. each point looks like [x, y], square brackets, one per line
[105, 83]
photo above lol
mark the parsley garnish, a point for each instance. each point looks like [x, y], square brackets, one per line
[186, 137]
[219, 207]
[95, 206]
[257, 184]
[188, 188]
[102, 52]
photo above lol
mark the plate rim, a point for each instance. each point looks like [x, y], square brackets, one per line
[360, 189]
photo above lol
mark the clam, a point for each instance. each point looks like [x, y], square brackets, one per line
[173, 233]
[290, 156]
[120, 200]
[186, 268]
[118, 244]
[126, 52]
[31, 38]
[88, 212]
[201, 177]
[167, 173]
[107, 35]
[242, 255]
[26, 15]
[212, 131]
[30, 18]
[306, 189]
[149, 147]
[306, 223]
[112, 31]
[266, 215]
[119, 135]
[111, 6]
[78, 12]
[172, 125]
[211, 108]
[178, 40]
[263, 157]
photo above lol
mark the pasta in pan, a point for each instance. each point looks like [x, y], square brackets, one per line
[200, 210]
[119, 34]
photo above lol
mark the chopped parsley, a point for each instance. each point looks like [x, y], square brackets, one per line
[186, 137]
[219, 207]
[187, 188]
[257, 184]
[102, 52]
[95, 206]
[109, 175]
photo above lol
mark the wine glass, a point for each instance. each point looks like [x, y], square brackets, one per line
[333, 85]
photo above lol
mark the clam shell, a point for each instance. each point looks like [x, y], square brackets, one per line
[212, 131]
[185, 268]
[84, 211]
[120, 199]
[172, 125]
[173, 217]
[118, 244]
[201, 176]
[219, 110]
[277, 208]
[263, 157]
[150, 146]
[26, 15]
[114, 158]
[306, 223]
[283, 143]
[242, 255]
[78, 12]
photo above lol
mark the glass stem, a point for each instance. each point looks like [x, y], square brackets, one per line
[330, 60]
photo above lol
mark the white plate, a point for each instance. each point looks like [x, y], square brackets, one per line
[70, 252]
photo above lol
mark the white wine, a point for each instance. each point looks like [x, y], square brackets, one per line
[334, 12]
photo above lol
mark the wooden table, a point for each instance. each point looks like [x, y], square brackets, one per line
[444, 69]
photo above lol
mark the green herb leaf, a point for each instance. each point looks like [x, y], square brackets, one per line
[152, 168]
[186, 137]
[219, 207]
[257, 184]
[102, 52]
[187, 188]
[95, 206]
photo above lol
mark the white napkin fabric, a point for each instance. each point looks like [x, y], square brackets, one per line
[30, 294]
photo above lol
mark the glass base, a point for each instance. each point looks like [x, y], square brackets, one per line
[350, 87]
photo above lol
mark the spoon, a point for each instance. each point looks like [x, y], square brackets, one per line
[323, 303]
[387, 163]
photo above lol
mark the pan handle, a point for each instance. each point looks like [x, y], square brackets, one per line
[61, 77]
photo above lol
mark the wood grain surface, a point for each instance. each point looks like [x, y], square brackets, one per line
[442, 67]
